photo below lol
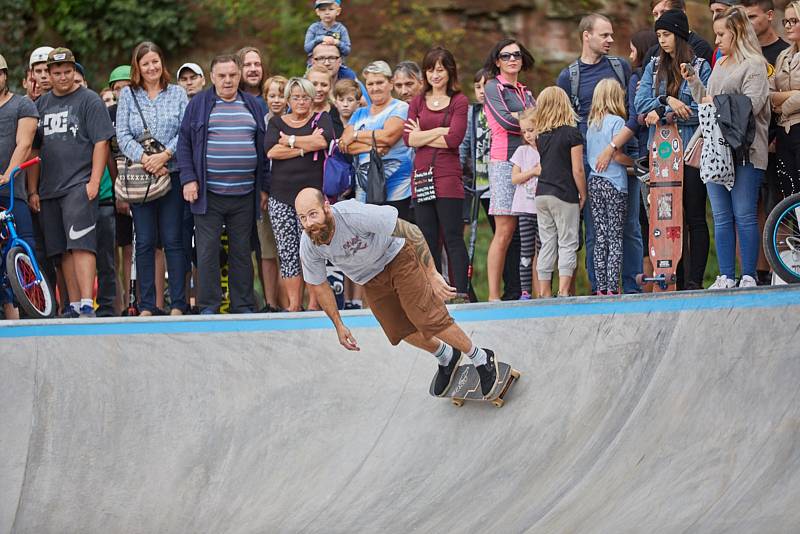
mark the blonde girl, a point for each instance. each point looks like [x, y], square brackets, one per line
[523, 175]
[608, 190]
[561, 190]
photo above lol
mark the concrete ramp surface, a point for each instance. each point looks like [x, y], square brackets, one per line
[676, 413]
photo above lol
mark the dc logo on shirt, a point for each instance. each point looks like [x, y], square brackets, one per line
[55, 123]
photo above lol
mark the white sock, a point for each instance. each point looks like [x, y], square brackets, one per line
[357, 302]
[477, 355]
[444, 353]
[86, 302]
[75, 306]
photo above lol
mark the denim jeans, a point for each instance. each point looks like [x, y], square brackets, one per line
[738, 207]
[162, 217]
[632, 247]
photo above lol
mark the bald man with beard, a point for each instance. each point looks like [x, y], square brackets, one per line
[390, 257]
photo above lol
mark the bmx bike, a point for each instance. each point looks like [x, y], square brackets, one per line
[782, 239]
[22, 272]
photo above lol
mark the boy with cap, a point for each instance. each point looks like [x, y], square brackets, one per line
[72, 138]
[191, 78]
[328, 30]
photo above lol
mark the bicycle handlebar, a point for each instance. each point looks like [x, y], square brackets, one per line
[22, 166]
[30, 163]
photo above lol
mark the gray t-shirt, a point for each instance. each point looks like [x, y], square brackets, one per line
[69, 127]
[361, 247]
[19, 107]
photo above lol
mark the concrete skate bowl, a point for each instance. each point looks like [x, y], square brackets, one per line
[675, 413]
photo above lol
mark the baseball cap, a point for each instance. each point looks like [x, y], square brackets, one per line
[3, 64]
[194, 67]
[79, 68]
[326, 2]
[40, 55]
[120, 74]
[60, 55]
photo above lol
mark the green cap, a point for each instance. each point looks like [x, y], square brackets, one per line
[120, 74]
[60, 55]
[3, 64]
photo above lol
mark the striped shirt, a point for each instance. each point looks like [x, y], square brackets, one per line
[231, 152]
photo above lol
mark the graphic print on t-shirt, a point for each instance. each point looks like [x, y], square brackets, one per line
[352, 246]
[58, 123]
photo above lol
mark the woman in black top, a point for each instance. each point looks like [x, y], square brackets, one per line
[295, 143]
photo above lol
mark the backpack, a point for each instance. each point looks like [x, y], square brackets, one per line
[575, 79]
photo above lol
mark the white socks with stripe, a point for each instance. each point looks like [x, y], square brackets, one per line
[477, 355]
[443, 353]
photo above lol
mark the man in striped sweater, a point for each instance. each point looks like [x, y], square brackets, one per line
[223, 169]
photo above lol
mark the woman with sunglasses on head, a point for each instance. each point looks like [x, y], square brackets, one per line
[505, 97]
[785, 98]
[742, 70]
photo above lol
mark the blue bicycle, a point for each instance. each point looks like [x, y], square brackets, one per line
[22, 272]
[782, 239]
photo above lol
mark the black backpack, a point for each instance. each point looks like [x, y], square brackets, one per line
[575, 79]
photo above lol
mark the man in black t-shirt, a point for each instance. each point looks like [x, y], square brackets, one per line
[72, 138]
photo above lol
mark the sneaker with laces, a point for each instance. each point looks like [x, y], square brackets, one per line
[525, 296]
[445, 374]
[488, 373]
[723, 282]
[747, 281]
[87, 312]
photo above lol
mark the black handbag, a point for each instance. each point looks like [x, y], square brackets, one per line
[423, 185]
[375, 176]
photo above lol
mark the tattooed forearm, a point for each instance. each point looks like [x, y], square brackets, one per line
[413, 236]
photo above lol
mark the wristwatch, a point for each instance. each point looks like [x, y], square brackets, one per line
[292, 139]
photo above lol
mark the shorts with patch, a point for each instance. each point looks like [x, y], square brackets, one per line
[402, 299]
[69, 222]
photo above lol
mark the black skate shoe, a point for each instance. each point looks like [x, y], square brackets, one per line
[444, 377]
[488, 373]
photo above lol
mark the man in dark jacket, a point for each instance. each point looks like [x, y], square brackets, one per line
[223, 169]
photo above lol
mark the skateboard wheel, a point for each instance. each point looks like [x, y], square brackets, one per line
[457, 402]
[515, 374]
[498, 403]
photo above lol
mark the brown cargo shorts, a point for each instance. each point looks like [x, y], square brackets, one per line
[402, 299]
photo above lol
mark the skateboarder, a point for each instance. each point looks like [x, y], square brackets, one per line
[390, 257]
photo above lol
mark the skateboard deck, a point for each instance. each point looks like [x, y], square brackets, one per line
[666, 208]
[467, 385]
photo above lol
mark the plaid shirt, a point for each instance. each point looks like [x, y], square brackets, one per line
[163, 116]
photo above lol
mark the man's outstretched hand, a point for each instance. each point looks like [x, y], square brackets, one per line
[346, 338]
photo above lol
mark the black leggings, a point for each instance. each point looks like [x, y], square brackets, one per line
[788, 171]
[694, 214]
[444, 214]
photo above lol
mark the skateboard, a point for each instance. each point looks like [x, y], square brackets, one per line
[666, 208]
[467, 385]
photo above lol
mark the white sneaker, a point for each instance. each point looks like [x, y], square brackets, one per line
[723, 282]
[747, 281]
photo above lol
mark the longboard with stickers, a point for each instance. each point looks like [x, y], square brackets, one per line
[666, 208]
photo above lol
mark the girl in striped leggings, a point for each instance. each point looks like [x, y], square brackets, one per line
[524, 175]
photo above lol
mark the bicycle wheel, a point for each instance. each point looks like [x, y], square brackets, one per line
[33, 296]
[782, 239]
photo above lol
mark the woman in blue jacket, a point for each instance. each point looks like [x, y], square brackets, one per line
[664, 96]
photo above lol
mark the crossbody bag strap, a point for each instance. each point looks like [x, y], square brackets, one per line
[139, 108]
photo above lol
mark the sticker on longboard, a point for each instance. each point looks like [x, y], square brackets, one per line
[657, 232]
[664, 150]
[664, 206]
[674, 233]
[665, 133]
[664, 264]
[676, 147]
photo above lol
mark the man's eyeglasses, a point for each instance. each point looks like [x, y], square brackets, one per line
[304, 98]
[327, 59]
[508, 56]
[790, 23]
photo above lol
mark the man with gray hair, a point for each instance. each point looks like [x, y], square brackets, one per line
[223, 170]
[407, 80]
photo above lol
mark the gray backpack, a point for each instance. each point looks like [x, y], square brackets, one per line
[575, 79]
